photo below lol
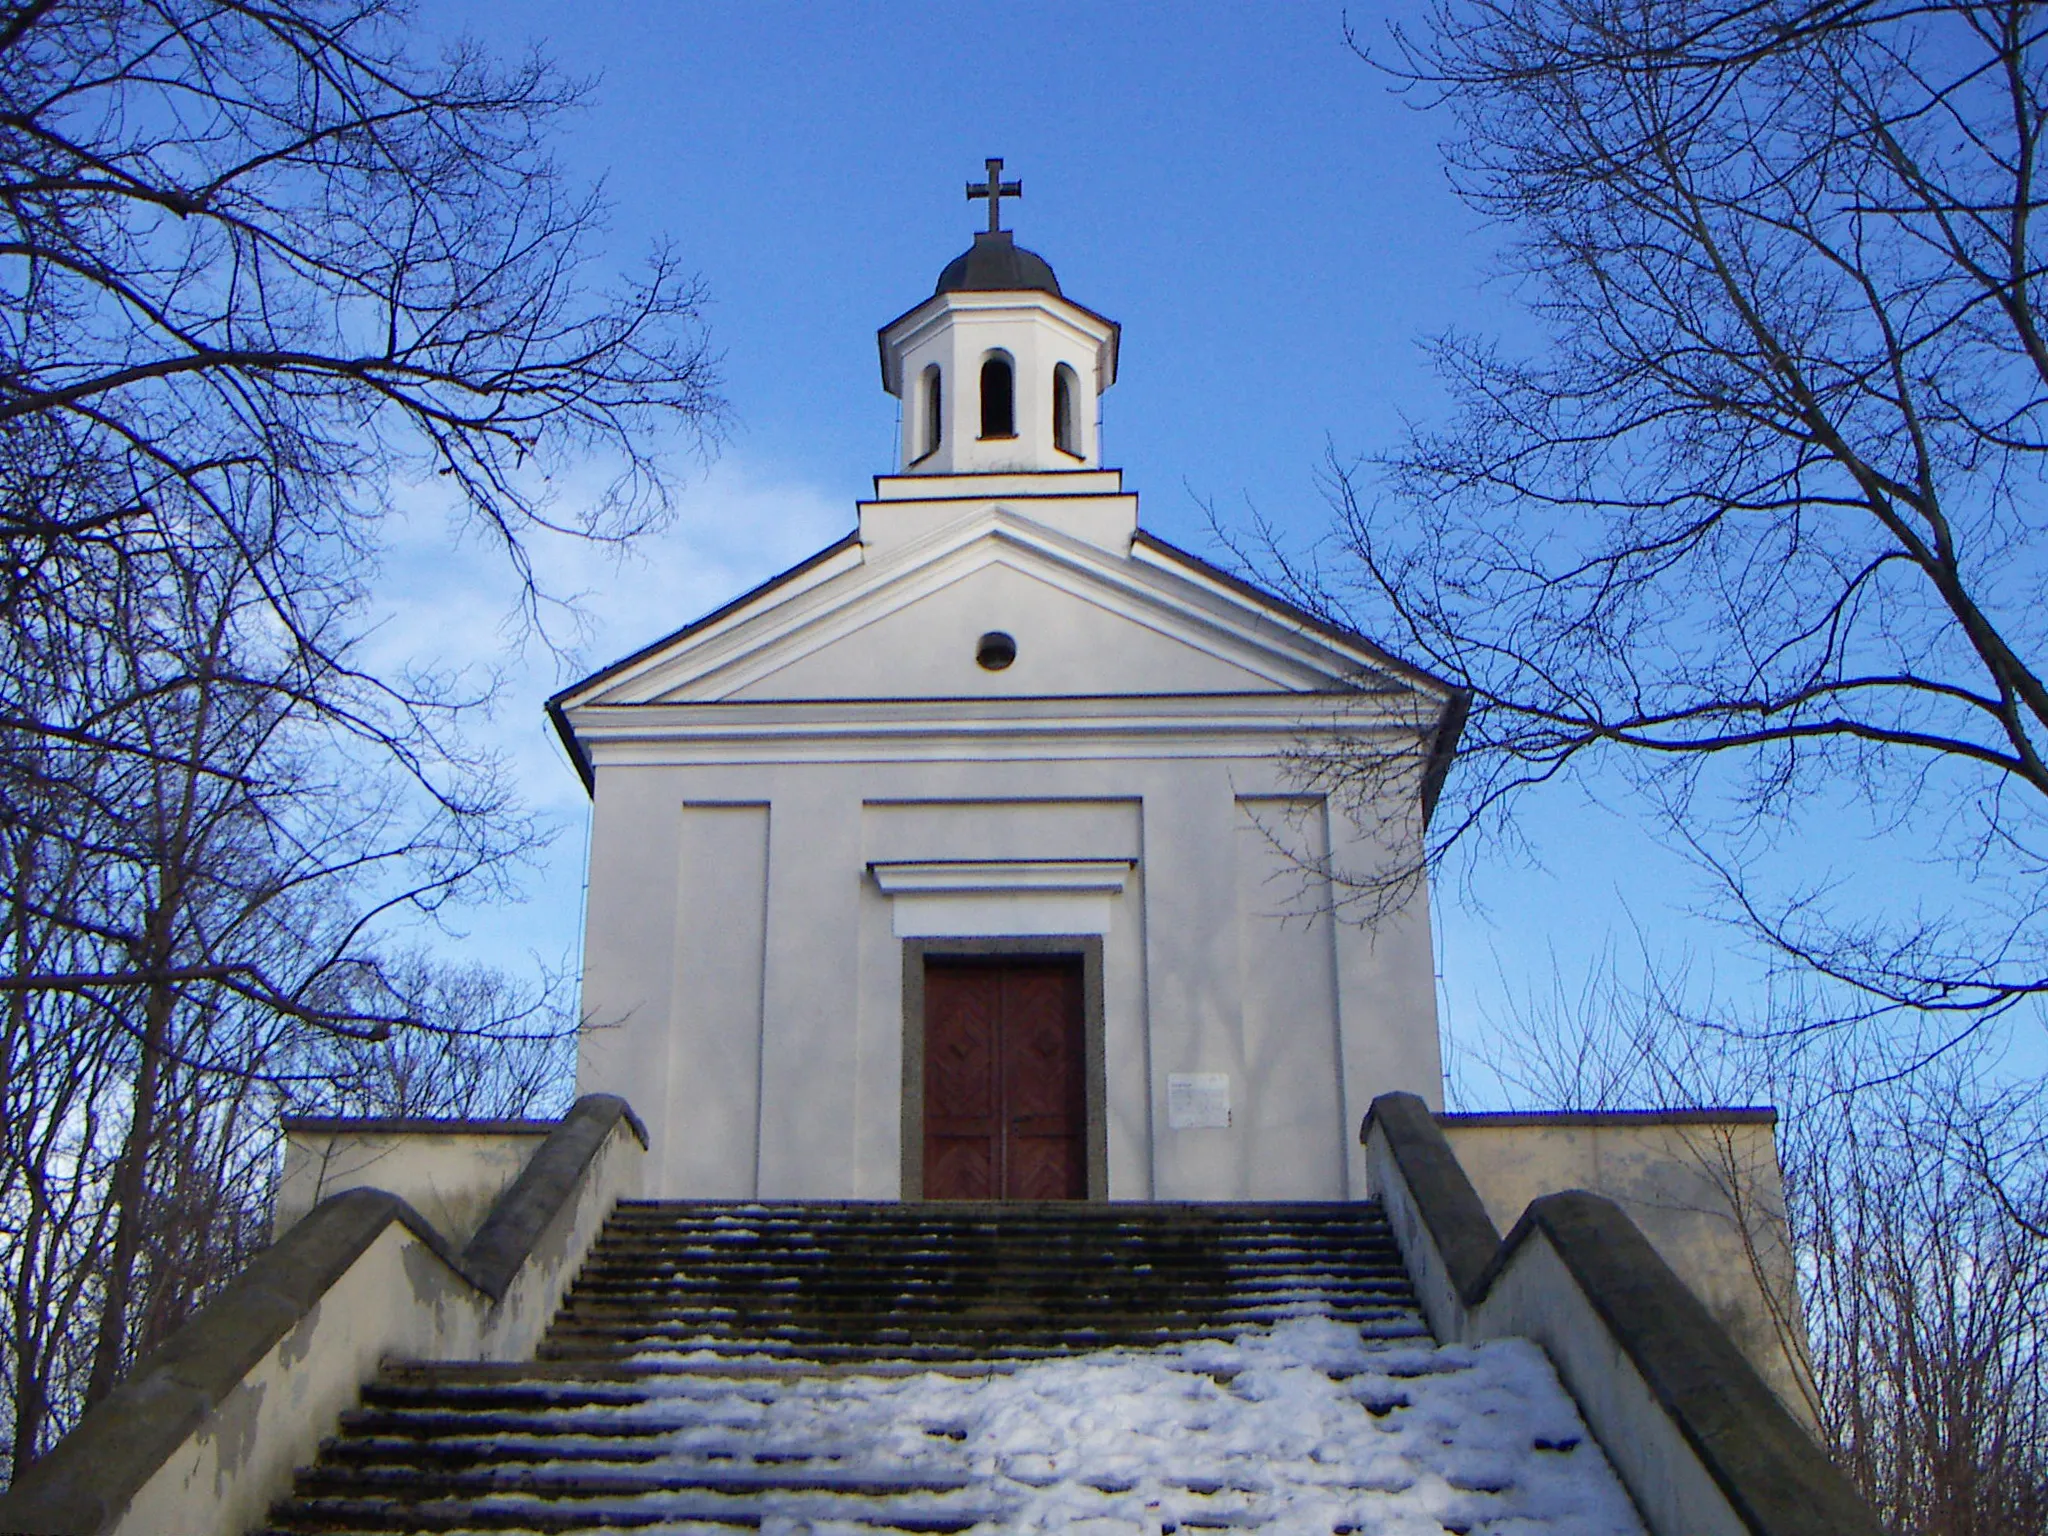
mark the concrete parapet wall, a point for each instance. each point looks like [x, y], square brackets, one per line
[206, 1431]
[1703, 1186]
[1703, 1444]
[450, 1171]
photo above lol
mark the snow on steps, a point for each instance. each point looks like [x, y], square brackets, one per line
[947, 1367]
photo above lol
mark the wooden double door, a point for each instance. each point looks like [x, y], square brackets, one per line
[1005, 1079]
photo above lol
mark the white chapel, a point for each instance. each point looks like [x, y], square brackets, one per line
[969, 858]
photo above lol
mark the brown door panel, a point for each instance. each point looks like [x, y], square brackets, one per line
[1005, 1098]
[959, 1168]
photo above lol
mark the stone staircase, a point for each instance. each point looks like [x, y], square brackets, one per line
[951, 1283]
[844, 1367]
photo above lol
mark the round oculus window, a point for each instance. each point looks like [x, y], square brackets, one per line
[995, 650]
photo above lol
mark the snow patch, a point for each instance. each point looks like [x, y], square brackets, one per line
[1303, 1427]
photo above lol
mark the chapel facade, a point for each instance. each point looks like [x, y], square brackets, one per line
[969, 858]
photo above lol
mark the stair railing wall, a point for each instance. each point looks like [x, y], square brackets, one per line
[1703, 1446]
[206, 1431]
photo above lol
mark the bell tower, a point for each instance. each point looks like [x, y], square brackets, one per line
[998, 372]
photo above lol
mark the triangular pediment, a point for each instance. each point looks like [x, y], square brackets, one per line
[1087, 621]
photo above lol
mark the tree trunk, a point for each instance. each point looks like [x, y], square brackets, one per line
[128, 1193]
[30, 1376]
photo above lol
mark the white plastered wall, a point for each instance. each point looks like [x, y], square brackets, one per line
[744, 962]
[744, 968]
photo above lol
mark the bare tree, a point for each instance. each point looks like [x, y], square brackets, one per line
[1929, 1308]
[491, 1047]
[1759, 525]
[1761, 520]
[261, 254]
[262, 261]
[260, 264]
[197, 913]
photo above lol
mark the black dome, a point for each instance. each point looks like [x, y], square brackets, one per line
[997, 262]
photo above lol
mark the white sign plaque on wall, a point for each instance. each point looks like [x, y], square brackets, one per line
[1197, 1101]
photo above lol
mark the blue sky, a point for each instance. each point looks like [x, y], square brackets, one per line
[1232, 183]
[1269, 221]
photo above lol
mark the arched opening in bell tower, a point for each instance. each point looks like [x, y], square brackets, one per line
[998, 396]
[934, 411]
[1066, 392]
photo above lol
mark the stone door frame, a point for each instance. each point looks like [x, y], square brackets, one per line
[1088, 948]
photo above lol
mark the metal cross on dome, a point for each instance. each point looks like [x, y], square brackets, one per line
[995, 190]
